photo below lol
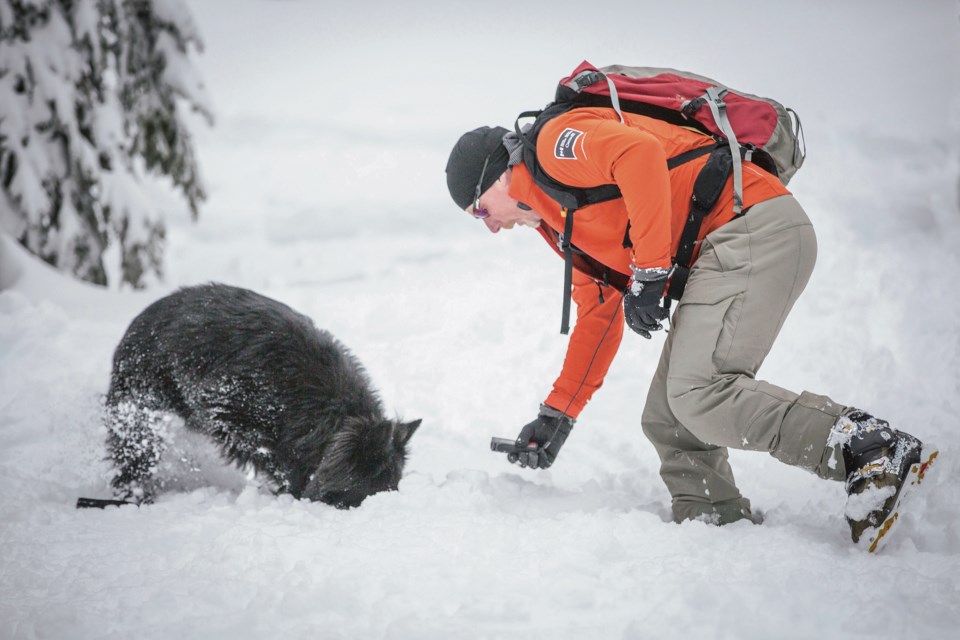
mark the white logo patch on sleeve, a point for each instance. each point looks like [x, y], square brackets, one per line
[566, 141]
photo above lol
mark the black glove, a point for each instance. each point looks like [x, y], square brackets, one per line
[543, 438]
[642, 301]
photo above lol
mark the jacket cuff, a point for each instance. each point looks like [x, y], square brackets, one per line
[548, 409]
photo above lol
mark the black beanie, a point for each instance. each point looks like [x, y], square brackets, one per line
[466, 163]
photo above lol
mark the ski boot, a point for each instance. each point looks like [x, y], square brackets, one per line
[884, 467]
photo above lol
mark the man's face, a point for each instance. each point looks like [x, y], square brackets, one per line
[502, 210]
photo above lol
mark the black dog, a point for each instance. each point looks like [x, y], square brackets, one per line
[263, 383]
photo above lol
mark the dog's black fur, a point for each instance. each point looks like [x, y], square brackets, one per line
[262, 382]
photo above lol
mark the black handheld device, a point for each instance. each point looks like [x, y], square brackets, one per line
[506, 445]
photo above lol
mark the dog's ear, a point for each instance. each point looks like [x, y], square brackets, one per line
[405, 430]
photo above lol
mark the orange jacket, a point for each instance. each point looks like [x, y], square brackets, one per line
[588, 147]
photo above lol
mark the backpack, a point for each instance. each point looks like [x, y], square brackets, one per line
[744, 127]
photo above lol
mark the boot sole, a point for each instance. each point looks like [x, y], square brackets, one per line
[873, 539]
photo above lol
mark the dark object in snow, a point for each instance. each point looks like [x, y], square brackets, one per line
[260, 380]
[98, 503]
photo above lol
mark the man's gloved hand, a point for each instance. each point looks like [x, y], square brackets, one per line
[642, 301]
[543, 438]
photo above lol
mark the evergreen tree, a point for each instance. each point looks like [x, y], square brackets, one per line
[93, 139]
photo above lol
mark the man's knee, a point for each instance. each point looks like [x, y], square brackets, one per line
[661, 428]
[656, 417]
[693, 401]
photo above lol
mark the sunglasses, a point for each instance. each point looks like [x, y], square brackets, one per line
[479, 212]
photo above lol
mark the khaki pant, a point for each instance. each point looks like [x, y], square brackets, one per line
[704, 396]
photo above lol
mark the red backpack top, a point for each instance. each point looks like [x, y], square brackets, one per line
[751, 121]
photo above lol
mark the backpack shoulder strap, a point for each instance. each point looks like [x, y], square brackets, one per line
[719, 109]
[566, 196]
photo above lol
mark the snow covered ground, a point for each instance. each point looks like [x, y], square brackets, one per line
[325, 173]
